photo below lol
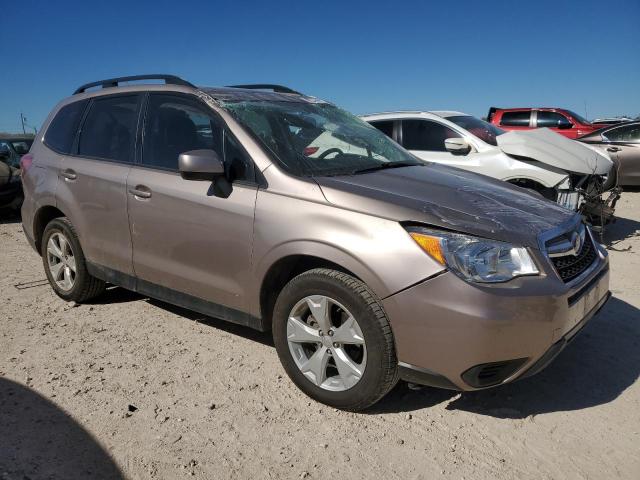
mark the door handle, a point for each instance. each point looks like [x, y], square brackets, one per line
[69, 174]
[140, 191]
[613, 149]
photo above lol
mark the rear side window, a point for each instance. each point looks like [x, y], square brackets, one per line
[62, 130]
[425, 135]
[551, 120]
[175, 125]
[110, 128]
[628, 134]
[385, 126]
[515, 119]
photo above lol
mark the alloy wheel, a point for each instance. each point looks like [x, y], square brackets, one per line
[61, 261]
[326, 343]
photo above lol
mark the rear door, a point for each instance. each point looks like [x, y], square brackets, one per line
[92, 186]
[187, 236]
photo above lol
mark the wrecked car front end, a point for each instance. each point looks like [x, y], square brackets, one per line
[594, 196]
[590, 186]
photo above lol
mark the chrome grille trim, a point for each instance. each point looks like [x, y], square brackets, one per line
[566, 242]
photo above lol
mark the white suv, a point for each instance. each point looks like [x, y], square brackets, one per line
[560, 169]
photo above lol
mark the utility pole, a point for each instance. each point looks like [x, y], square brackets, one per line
[585, 110]
[23, 120]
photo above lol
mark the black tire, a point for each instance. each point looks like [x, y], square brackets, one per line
[85, 286]
[381, 371]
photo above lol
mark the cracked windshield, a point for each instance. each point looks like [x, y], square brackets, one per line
[319, 139]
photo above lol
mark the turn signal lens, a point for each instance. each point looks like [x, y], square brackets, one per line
[431, 245]
[475, 259]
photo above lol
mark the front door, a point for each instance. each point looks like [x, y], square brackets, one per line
[187, 237]
[556, 122]
[425, 139]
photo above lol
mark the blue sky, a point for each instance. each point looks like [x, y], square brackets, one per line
[364, 56]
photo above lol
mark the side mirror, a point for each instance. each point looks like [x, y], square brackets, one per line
[564, 125]
[200, 165]
[457, 146]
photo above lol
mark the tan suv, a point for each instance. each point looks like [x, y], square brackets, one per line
[275, 210]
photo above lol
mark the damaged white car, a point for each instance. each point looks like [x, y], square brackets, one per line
[575, 175]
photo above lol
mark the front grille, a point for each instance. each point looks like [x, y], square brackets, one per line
[572, 266]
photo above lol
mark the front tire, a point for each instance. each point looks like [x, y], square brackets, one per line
[65, 265]
[334, 339]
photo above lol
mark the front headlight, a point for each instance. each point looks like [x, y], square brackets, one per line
[475, 259]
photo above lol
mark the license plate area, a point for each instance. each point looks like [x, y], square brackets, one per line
[585, 300]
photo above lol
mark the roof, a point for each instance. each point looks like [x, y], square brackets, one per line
[500, 109]
[233, 94]
[426, 113]
[449, 113]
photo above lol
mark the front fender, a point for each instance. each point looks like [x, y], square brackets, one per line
[379, 251]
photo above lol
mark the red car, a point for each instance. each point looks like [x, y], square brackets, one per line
[565, 122]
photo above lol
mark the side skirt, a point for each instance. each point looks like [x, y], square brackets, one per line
[175, 297]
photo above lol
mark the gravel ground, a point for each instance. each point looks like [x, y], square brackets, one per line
[129, 387]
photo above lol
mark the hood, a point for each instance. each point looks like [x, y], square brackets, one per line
[548, 147]
[448, 198]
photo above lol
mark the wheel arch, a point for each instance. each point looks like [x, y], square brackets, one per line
[283, 270]
[41, 219]
[550, 193]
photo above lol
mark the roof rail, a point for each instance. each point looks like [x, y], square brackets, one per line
[114, 82]
[266, 86]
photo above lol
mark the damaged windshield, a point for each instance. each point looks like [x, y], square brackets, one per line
[319, 139]
[485, 131]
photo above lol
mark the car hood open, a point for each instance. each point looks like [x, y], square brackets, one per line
[548, 147]
[449, 198]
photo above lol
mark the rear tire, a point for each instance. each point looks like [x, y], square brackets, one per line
[361, 364]
[65, 265]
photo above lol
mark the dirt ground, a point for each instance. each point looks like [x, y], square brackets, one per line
[129, 387]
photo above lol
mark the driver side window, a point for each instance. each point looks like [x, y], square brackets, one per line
[175, 124]
[426, 135]
[552, 120]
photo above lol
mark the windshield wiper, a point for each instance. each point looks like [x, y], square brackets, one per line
[384, 166]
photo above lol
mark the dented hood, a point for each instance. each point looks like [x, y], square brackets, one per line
[450, 198]
[548, 147]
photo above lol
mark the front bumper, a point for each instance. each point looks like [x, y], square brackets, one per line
[456, 335]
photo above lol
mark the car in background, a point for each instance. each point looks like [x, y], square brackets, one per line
[603, 122]
[622, 143]
[561, 170]
[10, 187]
[564, 122]
[13, 147]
